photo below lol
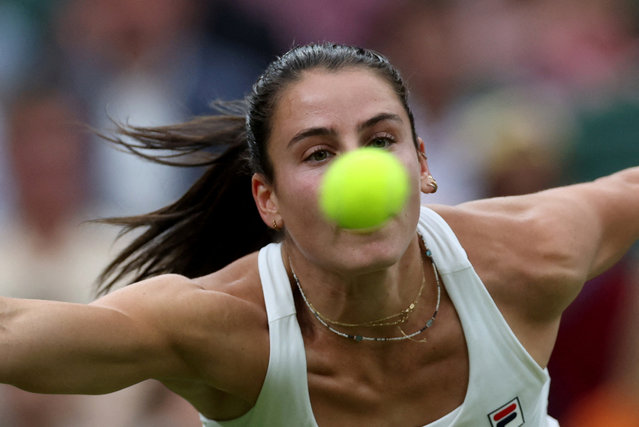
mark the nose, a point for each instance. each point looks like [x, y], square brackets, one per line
[349, 144]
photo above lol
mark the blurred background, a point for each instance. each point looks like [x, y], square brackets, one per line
[510, 97]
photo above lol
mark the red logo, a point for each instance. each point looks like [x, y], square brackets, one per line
[508, 415]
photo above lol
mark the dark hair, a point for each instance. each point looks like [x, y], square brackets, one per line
[216, 221]
[288, 68]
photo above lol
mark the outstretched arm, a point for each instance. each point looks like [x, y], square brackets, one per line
[166, 328]
[55, 347]
[617, 202]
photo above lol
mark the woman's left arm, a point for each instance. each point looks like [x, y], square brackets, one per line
[546, 245]
[606, 212]
[535, 252]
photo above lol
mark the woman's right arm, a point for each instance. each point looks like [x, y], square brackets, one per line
[153, 329]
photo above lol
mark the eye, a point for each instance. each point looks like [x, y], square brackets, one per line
[382, 141]
[318, 155]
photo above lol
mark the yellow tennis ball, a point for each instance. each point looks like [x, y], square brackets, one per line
[364, 188]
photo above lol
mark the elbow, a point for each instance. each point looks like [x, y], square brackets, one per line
[557, 268]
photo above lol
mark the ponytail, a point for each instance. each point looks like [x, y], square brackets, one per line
[214, 223]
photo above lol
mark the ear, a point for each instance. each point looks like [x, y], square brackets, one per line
[425, 176]
[265, 200]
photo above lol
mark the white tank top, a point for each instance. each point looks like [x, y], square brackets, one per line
[506, 387]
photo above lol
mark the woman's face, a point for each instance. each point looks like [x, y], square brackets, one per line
[323, 115]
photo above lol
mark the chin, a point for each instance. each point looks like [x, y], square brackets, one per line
[375, 249]
[370, 262]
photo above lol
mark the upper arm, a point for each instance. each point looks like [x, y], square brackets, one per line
[593, 223]
[58, 347]
[145, 330]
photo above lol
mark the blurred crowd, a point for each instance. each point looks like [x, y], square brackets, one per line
[511, 97]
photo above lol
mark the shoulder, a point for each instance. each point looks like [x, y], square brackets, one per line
[234, 284]
[523, 250]
[535, 252]
[216, 323]
[557, 238]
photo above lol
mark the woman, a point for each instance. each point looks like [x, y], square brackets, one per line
[329, 327]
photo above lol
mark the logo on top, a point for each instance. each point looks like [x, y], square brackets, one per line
[508, 415]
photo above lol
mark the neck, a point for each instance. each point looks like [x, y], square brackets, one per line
[360, 297]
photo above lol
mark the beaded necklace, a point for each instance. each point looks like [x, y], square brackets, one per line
[359, 338]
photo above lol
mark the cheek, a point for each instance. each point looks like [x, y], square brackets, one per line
[413, 167]
[298, 196]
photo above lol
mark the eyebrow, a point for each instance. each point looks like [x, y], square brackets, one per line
[323, 131]
[379, 118]
[307, 133]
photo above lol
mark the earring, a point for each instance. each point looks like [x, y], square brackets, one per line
[275, 226]
[433, 183]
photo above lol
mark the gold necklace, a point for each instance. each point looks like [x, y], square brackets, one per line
[384, 321]
[359, 338]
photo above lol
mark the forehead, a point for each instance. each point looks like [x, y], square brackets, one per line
[334, 99]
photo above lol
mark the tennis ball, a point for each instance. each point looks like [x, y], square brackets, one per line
[364, 188]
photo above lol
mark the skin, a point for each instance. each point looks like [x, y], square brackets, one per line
[207, 338]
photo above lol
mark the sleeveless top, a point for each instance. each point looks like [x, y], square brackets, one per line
[506, 387]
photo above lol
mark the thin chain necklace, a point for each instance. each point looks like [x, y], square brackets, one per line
[384, 321]
[359, 338]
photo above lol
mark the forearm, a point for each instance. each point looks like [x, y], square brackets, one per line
[53, 347]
